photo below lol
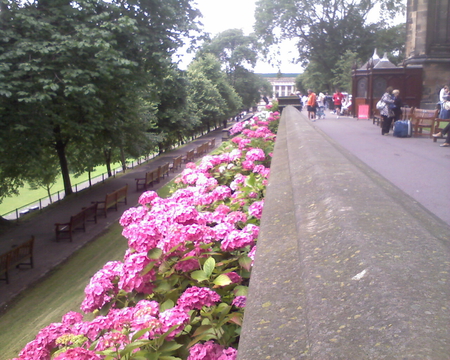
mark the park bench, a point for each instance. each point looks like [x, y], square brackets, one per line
[145, 181]
[164, 170]
[76, 222]
[176, 163]
[190, 156]
[112, 200]
[376, 117]
[424, 119]
[15, 258]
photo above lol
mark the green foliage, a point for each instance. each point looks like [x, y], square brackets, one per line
[216, 99]
[238, 53]
[81, 75]
[325, 31]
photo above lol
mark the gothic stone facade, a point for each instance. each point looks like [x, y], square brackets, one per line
[428, 45]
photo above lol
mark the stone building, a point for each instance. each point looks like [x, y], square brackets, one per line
[282, 84]
[428, 45]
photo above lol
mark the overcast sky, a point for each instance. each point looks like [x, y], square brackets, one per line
[220, 15]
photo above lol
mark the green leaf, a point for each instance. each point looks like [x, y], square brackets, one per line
[241, 290]
[209, 266]
[199, 275]
[222, 280]
[154, 253]
[245, 262]
[202, 329]
[170, 346]
[168, 304]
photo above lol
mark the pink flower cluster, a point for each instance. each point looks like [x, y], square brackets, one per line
[211, 351]
[205, 214]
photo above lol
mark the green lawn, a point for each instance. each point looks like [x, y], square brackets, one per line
[60, 292]
[27, 195]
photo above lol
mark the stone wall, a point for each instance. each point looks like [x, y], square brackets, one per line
[347, 265]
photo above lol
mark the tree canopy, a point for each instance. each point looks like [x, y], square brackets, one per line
[238, 54]
[80, 74]
[325, 30]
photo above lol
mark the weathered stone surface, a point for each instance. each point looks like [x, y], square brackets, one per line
[347, 266]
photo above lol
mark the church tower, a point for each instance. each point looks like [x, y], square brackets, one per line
[428, 45]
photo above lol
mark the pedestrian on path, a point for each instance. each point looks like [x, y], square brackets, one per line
[387, 112]
[311, 105]
[337, 100]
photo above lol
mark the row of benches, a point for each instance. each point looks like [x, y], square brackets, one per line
[23, 254]
[421, 119]
[20, 255]
[154, 176]
[90, 213]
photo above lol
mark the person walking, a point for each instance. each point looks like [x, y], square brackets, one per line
[337, 100]
[311, 105]
[387, 112]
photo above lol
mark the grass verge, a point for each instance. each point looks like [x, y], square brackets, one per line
[60, 292]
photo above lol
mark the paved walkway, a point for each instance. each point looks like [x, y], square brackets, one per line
[417, 165]
[47, 252]
[348, 265]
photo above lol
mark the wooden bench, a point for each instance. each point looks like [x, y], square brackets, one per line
[176, 163]
[112, 200]
[376, 117]
[212, 144]
[423, 119]
[77, 222]
[146, 181]
[190, 156]
[15, 258]
[165, 170]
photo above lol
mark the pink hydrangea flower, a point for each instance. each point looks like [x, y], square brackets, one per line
[236, 240]
[255, 154]
[147, 197]
[256, 209]
[211, 351]
[239, 301]
[196, 297]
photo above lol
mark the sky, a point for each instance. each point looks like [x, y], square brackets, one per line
[220, 15]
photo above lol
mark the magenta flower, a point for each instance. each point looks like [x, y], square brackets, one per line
[256, 209]
[147, 197]
[255, 154]
[196, 297]
[236, 240]
[211, 351]
[239, 301]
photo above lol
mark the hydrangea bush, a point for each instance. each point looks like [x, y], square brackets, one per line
[180, 291]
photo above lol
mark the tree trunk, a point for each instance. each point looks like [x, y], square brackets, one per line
[123, 160]
[49, 194]
[107, 154]
[61, 151]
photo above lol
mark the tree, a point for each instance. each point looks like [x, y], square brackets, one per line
[175, 116]
[325, 29]
[70, 71]
[238, 54]
[216, 98]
